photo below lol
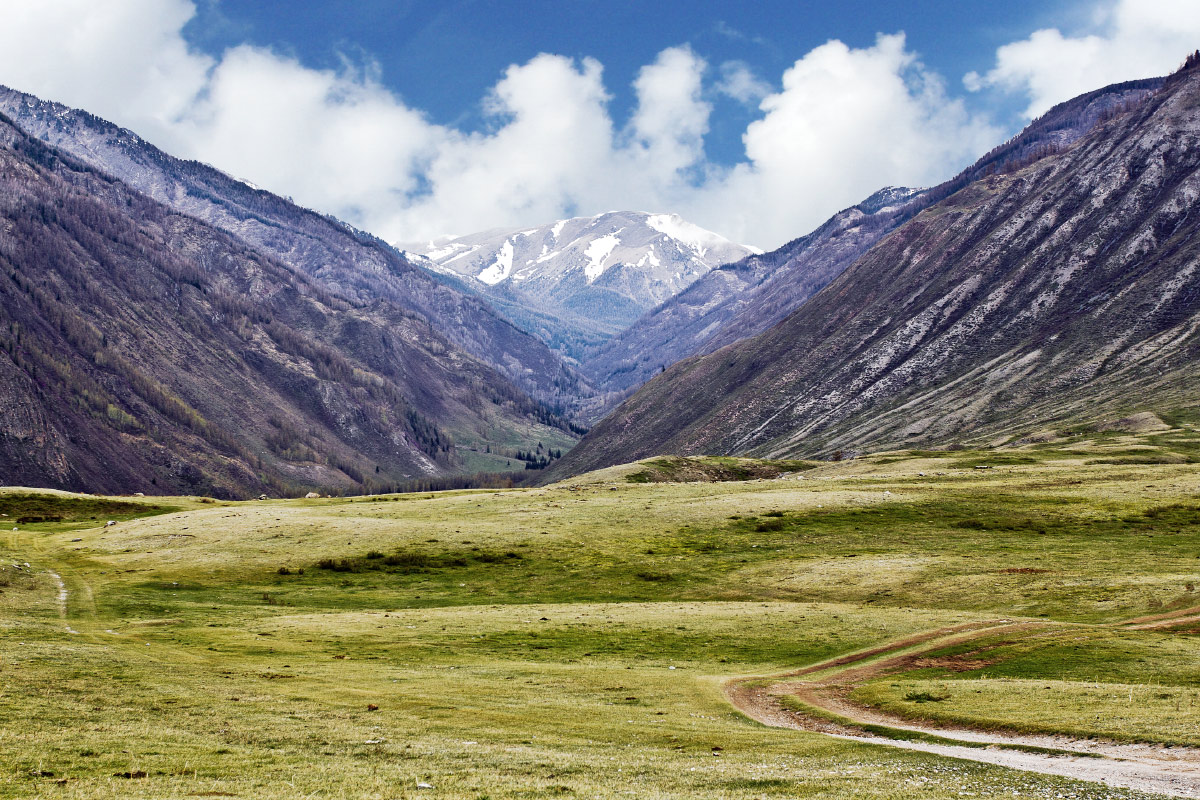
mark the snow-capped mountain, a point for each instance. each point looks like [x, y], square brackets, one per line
[605, 271]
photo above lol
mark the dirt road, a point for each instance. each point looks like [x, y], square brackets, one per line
[822, 687]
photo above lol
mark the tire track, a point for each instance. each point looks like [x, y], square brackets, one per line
[61, 601]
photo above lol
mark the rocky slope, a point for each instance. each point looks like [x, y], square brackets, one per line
[1058, 285]
[142, 349]
[747, 297]
[578, 281]
[349, 262]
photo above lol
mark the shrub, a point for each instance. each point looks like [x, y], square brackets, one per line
[654, 577]
[925, 697]
[337, 565]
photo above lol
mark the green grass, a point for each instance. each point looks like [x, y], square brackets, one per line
[1125, 685]
[571, 641]
[1121, 712]
[31, 508]
[711, 468]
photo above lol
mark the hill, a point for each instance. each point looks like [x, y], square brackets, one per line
[599, 639]
[144, 350]
[1043, 290]
[348, 262]
[745, 298]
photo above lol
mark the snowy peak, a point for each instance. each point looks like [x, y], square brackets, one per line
[609, 268]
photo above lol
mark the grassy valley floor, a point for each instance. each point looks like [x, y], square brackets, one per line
[574, 641]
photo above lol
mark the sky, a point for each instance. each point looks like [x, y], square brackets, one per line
[415, 119]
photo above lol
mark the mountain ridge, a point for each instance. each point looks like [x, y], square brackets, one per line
[353, 263]
[142, 349]
[1043, 288]
[595, 274]
[745, 298]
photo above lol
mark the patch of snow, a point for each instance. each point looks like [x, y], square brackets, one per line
[558, 228]
[650, 258]
[443, 252]
[463, 254]
[527, 234]
[501, 267]
[597, 252]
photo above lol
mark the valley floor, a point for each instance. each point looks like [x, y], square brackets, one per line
[586, 639]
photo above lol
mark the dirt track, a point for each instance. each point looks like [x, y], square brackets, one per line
[1173, 771]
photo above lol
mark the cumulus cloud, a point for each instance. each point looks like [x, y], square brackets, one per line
[671, 117]
[124, 60]
[550, 141]
[844, 123]
[1133, 39]
[335, 141]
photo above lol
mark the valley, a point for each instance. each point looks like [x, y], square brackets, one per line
[578, 639]
[601, 505]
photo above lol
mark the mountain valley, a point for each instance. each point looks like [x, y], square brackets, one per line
[605, 506]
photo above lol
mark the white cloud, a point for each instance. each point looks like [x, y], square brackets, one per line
[845, 123]
[671, 118]
[123, 60]
[335, 141]
[549, 149]
[739, 82]
[1133, 39]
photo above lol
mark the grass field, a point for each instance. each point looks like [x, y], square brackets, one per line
[572, 641]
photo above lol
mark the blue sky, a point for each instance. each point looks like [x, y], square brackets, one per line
[442, 57]
[416, 119]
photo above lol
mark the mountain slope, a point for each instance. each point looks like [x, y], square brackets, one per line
[593, 275]
[747, 297]
[349, 262]
[144, 350]
[1064, 289]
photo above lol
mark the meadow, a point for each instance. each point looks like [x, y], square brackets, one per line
[574, 640]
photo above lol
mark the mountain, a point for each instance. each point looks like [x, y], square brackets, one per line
[142, 349]
[578, 281]
[1059, 284]
[745, 298]
[347, 261]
